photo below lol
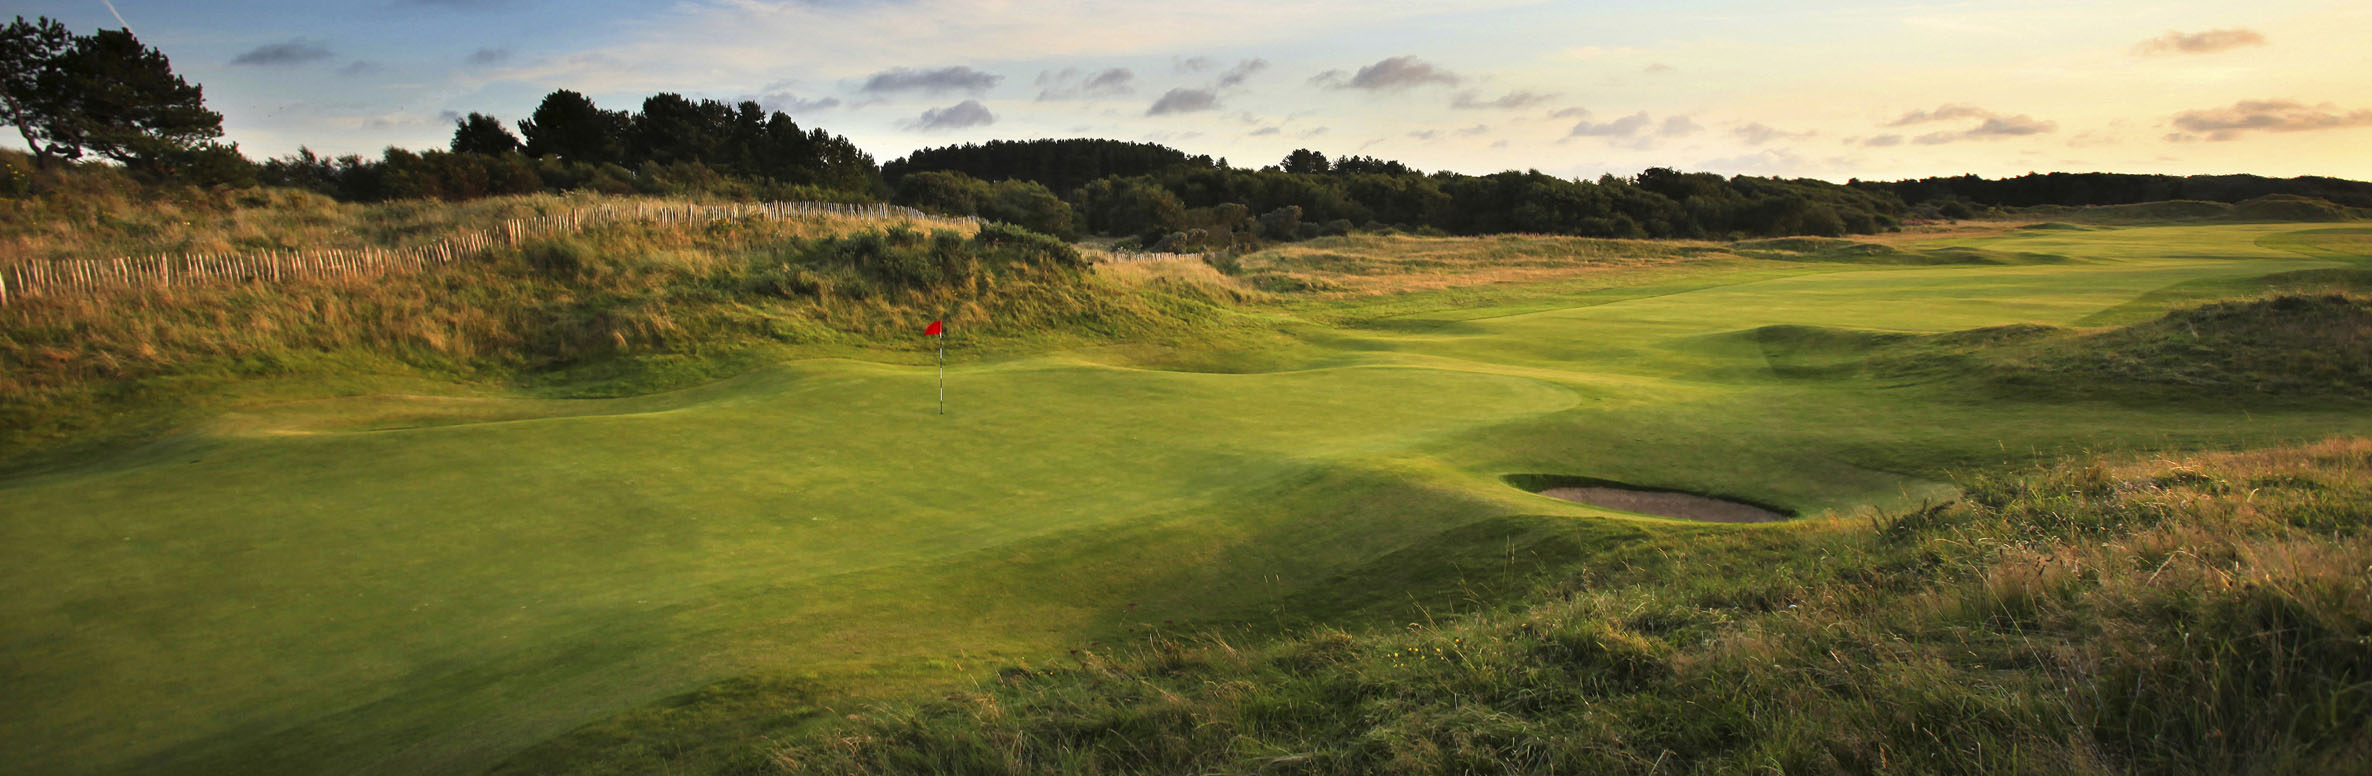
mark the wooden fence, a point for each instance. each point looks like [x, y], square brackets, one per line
[81, 276]
[1143, 256]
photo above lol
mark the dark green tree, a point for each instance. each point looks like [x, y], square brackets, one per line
[568, 125]
[1305, 161]
[32, 56]
[104, 93]
[482, 134]
[1282, 223]
[1129, 206]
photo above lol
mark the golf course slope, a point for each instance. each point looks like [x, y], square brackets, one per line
[684, 502]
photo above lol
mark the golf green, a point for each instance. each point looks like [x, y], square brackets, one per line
[403, 584]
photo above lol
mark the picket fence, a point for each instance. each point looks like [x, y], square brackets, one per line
[85, 276]
[1142, 256]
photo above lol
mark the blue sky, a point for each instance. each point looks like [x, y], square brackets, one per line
[1831, 90]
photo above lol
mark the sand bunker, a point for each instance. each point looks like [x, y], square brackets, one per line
[1661, 503]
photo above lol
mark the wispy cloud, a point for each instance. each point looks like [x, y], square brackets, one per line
[2207, 42]
[1472, 100]
[1184, 101]
[295, 52]
[1235, 76]
[792, 104]
[488, 57]
[1626, 126]
[938, 81]
[1759, 133]
[1393, 74]
[1991, 127]
[2230, 123]
[1944, 113]
[1074, 84]
[1992, 124]
[962, 115]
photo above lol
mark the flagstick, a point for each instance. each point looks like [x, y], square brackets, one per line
[942, 337]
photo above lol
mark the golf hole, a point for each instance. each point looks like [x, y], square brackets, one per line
[1679, 505]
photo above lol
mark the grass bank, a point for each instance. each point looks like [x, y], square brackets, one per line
[2202, 613]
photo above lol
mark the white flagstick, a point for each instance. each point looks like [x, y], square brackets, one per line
[942, 337]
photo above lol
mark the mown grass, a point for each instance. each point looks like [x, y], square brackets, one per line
[372, 555]
[2202, 613]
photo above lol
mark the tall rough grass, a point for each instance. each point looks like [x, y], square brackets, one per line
[623, 306]
[2208, 613]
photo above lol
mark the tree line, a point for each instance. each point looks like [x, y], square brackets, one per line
[1193, 203]
[2103, 188]
[108, 95]
[673, 145]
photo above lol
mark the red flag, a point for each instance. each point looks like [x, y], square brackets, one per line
[934, 329]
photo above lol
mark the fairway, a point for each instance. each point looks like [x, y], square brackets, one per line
[404, 584]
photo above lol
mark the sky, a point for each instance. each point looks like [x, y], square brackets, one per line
[1872, 90]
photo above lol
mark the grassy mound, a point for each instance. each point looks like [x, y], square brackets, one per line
[1829, 249]
[2288, 347]
[621, 308]
[2204, 614]
[2283, 346]
[2271, 207]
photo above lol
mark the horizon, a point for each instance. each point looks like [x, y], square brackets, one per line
[1726, 87]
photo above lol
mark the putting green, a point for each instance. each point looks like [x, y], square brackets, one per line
[407, 584]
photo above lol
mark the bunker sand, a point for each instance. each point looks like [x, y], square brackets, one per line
[1686, 506]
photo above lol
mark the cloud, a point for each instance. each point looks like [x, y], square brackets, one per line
[1235, 76]
[1626, 126]
[295, 52]
[1313, 132]
[1678, 126]
[1943, 113]
[1184, 101]
[1994, 125]
[1074, 84]
[1266, 131]
[488, 56]
[1882, 141]
[360, 67]
[1759, 133]
[1391, 74]
[1194, 64]
[1769, 161]
[2267, 116]
[939, 81]
[1477, 129]
[2011, 126]
[1472, 100]
[2208, 42]
[1426, 134]
[448, 116]
[792, 104]
[962, 115]
[1658, 68]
